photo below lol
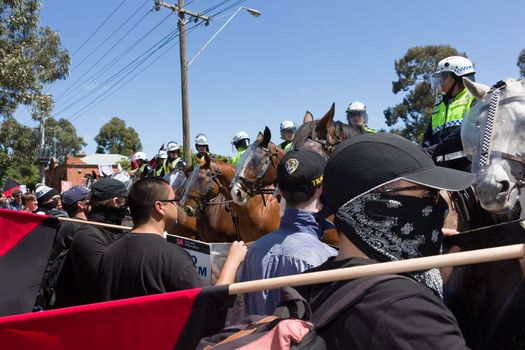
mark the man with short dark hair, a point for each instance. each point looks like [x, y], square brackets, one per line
[143, 262]
[295, 246]
[384, 193]
[16, 202]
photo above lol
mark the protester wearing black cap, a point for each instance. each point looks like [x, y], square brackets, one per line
[384, 193]
[49, 202]
[295, 246]
[108, 204]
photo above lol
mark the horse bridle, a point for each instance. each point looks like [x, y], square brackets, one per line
[257, 186]
[204, 199]
[330, 143]
[488, 134]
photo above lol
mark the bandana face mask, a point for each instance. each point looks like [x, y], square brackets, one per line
[395, 227]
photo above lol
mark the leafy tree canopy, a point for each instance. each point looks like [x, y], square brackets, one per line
[521, 63]
[414, 70]
[30, 57]
[62, 139]
[114, 137]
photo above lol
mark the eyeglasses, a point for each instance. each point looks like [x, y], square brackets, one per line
[174, 201]
[429, 192]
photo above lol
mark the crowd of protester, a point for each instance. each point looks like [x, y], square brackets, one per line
[382, 190]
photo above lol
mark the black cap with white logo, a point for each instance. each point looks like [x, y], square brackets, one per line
[300, 171]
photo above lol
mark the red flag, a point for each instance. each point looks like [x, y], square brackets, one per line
[163, 321]
[9, 186]
[25, 245]
[134, 164]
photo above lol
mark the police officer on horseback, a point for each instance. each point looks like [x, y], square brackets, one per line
[357, 116]
[174, 160]
[288, 129]
[442, 139]
[144, 168]
[241, 142]
[201, 145]
[160, 160]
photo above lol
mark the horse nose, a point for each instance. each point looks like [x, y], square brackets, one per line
[189, 211]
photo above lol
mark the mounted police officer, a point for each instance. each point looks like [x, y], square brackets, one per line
[357, 116]
[241, 142]
[160, 161]
[287, 134]
[144, 168]
[442, 139]
[201, 144]
[174, 160]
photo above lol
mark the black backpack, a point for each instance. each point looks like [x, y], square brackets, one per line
[294, 307]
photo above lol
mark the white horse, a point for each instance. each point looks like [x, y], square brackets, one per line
[493, 133]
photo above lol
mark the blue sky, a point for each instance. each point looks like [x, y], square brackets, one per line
[297, 56]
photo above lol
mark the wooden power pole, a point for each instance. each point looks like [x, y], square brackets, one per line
[183, 69]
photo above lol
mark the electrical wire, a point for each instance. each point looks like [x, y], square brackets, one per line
[135, 64]
[98, 28]
[71, 88]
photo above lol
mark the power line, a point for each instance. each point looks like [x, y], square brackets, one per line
[111, 35]
[90, 105]
[98, 28]
[110, 65]
[103, 56]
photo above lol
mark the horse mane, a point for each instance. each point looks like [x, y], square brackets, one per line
[305, 131]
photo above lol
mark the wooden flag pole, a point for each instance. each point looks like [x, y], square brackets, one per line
[102, 224]
[516, 251]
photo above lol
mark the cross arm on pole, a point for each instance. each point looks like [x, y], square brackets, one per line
[159, 4]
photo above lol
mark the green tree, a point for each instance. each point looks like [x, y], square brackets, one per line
[115, 137]
[521, 63]
[17, 151]
[414, 70]
[30, 57]
[61, 137]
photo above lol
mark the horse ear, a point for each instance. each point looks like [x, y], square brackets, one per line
[266, 137]
[326, 121]
[259, 137]
[308, 117]
[477, 90]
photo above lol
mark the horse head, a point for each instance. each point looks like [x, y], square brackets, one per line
[322, 135]
[493, 136]
[177, 180]
[201, 186]
[256, 169]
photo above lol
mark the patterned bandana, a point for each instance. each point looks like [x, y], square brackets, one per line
[395, 227]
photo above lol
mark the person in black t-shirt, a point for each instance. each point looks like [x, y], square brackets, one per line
[390, 210]
[143, 262]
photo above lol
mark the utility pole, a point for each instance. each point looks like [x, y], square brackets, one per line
[183, 69]
[41, 156]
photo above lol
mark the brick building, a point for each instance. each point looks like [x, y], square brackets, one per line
[76, 170]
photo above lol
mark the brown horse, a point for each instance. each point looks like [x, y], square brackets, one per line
[322, 135]
[186, 225]
[207, 197]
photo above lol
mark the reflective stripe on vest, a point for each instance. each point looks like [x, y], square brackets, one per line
[441, 118]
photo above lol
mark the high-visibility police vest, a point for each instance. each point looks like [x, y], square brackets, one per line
[169, 166]
[365, 128]
[443, 117]
[286, 146]
[158, 171]
[238, 156]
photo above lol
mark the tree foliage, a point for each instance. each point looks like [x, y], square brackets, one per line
[414, 70]
[30, 57]
[62, 139]
[114, 137]
[19, 144]
[521, 63]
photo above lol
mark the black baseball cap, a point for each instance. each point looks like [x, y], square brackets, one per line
[300, 171]
[108, 188]
[368, 161]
